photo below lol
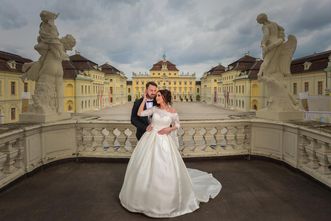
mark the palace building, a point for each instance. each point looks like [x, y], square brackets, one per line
[87, 86]
[13, 90]
[167, 76]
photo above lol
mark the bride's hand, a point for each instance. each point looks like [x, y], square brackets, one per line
[166, 130]
[145, 96]
[149, 127]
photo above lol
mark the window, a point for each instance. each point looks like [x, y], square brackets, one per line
[306, 65]
[26, 88]
[320, 87]
[306, 86]
[197, 90]
[12, 88]
[13, 113]
[295, 88]
[129, 91]
[82, 89]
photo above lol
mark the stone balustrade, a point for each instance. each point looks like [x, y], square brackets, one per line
[27, 148]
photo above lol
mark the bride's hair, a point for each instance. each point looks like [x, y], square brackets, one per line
[166, 94]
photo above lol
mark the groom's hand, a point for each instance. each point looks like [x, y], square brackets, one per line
[164, 131]
[149, 127]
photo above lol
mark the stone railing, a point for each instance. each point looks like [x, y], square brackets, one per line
[95, 139]
[25, 149]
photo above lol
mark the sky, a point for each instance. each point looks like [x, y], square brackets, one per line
[195, 35]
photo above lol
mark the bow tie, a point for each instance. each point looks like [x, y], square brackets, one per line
[149, 101]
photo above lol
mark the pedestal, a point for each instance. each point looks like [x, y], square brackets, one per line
[280, 116]
[29, 117]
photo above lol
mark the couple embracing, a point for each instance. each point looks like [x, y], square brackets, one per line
[157, 182]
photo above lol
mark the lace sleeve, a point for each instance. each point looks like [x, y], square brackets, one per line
[147, 112]
[175, 120]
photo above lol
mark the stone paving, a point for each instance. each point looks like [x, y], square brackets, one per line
[186, 111]
[88, 191]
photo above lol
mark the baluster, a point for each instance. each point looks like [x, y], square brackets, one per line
[80, 139]
[128, 145]
[181, 134]
[87, 139]
[311, 150]
[200, 139]
[20, 156]
[11, 155]
[231, 137]
[3, 159]
[105, 143]
[322, 155]
[247, 132]
[213, 142]
[97, 139]
[224, 142]
[117, 144]
[303, 155]
[240, 137]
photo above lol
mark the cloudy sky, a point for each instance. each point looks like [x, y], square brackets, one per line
[194, 34]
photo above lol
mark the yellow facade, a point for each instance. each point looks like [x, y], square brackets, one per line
[182, 86]
[312, 82]
[117, 89]
[228, 89]
[12, 90]
[210, 88]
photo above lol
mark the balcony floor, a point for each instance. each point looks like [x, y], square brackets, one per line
[252, 190]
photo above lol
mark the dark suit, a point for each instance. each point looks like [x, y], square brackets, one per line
[140, 123]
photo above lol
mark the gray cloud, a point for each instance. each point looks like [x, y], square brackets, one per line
[10, 17]
[194, 34]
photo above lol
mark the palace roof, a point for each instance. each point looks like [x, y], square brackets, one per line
[314, 62]
[6, 57]
[158, 66]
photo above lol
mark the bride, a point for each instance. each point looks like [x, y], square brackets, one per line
[157, 182]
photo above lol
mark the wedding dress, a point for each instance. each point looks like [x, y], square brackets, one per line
[157, 182]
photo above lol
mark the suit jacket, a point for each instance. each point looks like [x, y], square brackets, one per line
[140, 123]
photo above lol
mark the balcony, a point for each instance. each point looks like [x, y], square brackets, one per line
[269, 170]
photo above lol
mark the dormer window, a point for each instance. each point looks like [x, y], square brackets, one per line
[12, 64]
[306, 65]
[230, 67]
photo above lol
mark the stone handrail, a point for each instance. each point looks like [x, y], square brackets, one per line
[25, 149]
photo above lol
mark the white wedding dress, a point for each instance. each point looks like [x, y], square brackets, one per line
[157, 182]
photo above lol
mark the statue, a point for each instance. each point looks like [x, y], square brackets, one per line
[277, 57]
[48, 70]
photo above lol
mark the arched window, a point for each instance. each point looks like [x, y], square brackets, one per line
[69, 90]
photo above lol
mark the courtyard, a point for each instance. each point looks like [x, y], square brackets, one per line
[187, 111]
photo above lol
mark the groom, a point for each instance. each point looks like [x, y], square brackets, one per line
[142, 123]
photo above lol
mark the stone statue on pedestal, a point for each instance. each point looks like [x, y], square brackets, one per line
[47, 72]
[277, 57]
